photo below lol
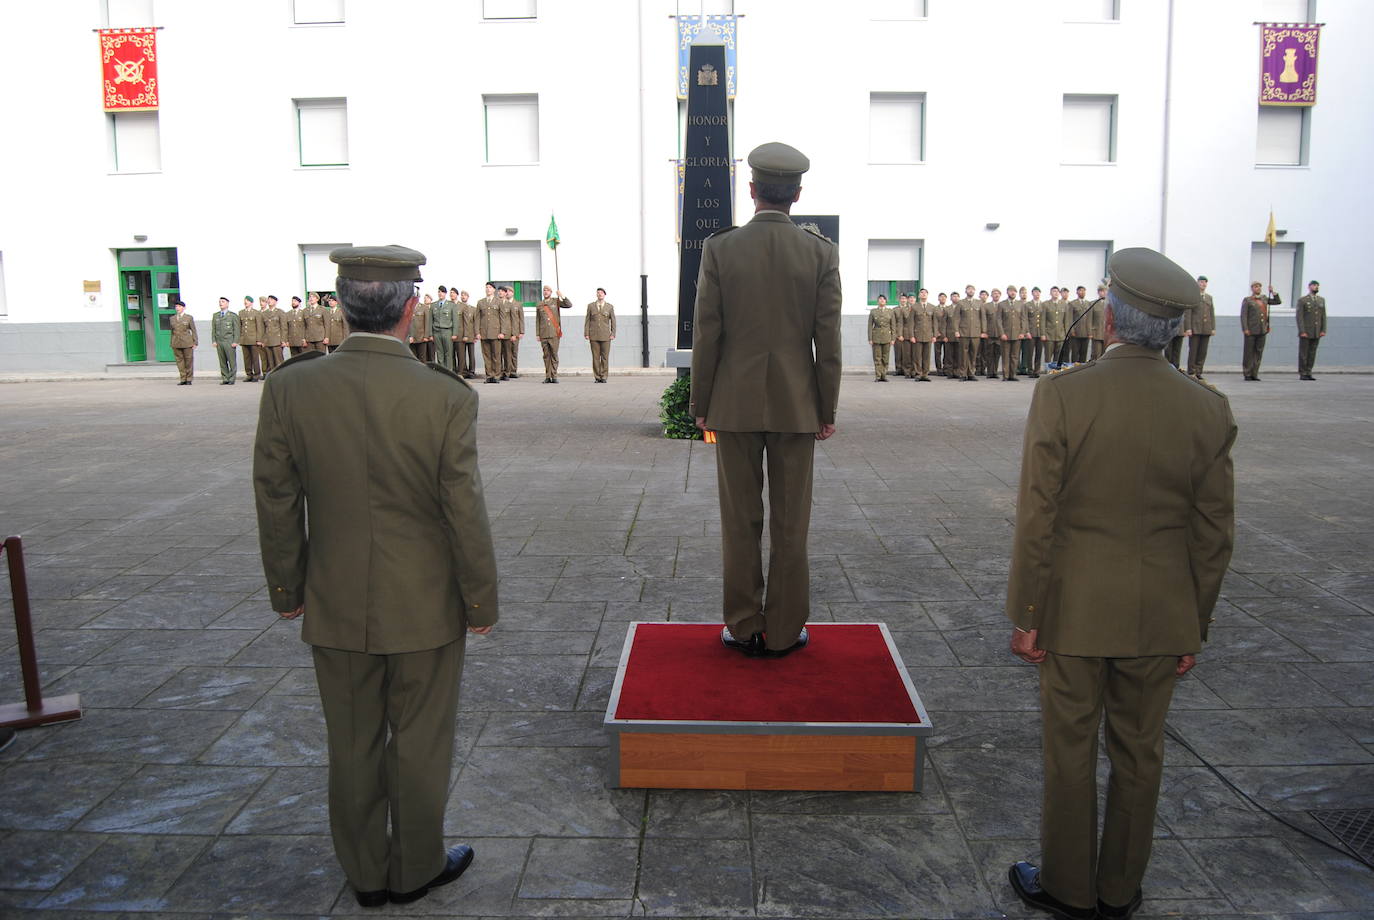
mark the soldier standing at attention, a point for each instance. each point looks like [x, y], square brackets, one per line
[295, 327]
[224, 332]
[1200, 324]
[1011, 333]
[1055, 324]
[1254, 325]
[443, 317]
[1033, 320]
[467, 336]
[881, 331]
[599, 330]
[548, 328]
[1097, 330]
[420, 335]
[273, 334]
[1076, 311]
[335, 325]
[184, 342]
[316, 327]
[373, 526]
[250, 334]
[1125, 464]
[1311, 328]
[968, 322]
[491, 332]
[766, 379]
[515, 331]
[901, 321]
[941, 343]
[924, 319]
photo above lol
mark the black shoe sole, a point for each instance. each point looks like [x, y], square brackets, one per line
[442, 879]
[372, 898]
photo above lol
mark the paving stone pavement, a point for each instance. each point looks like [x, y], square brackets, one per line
[194, 785]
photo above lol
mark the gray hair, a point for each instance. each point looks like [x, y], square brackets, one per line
[373, 306]
[1136, 327]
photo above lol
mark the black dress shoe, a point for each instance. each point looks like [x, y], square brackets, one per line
[554, 380]
[1025, 881]
[753, 646]
[459, 858]
[492, 380]
[371, 898]
[1108, 912]
[802, 639]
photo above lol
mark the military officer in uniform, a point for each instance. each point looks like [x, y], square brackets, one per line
[968, 323]
[1011, 332]
[941, 347]
[515, 323]
[882, 323]
[224, 332]
[1199, 325]
[991, 348]
[1055, 324]
[184, 342]
[316, 327]
[1254, 325]
[273, 334]
[1311, 328]
[418, 336]
[373, 526]
[766, 379]
[901, 348]
[1126, 482]
[250, 335]
[491, 332]
[467, 336]
[443, 319]
[335, 326]
[548, 328]
[1078, 311]
[1096, 321]
[599, 331]
[295, 327]
[925, 320]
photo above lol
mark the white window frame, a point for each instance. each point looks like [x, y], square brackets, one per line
[113, 121]
[490, 100]
[319, 254]
[1103, 247]
[297, 20]
[1308, 14]
[1259, 262]
[882, 10]
[1113, 14]
[120, 22]
[894, 98]
[1302, 112]
[1113, 117]
[491, 11]
[326, 102]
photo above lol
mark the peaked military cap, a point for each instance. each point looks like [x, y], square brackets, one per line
[378, 263]
[1152, 283]
[778, 163]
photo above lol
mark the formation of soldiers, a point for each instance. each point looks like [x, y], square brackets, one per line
[262, 329]
[965, 337]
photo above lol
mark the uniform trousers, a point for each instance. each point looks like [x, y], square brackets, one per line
[443, 347]
[1174, 350]
[902, 350]
[252, 362]
[467, 357]
[1074, 693]
[1197, 352]
[510, 357]
[968, 356]
[297, 350]
[1079, 350]
[1037, 357]
[1307, 354]
[316, 346]
[271, 357]
[414, 696]
[992, 352]
[228, 361]
[186, 362]
[491, 357]
[921, 359]
[938, 350]
[1010, 349]
[549, 348]
[1099, 346]
[780, 606]
[601, 358]
[881, 352]
[1052, 349]
[1253, 355]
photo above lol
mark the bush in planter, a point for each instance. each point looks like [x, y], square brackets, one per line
[677, 419]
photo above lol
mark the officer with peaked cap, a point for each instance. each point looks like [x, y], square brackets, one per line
[1126, 482]
[766, 379]
[397, 566]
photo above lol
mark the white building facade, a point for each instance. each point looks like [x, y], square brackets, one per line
[973, 142]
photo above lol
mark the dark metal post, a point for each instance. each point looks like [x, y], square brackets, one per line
[644, 317]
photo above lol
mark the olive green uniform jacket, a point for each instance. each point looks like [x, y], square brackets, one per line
[1125, 517]
[224, 327]
[1311, 314]
[600, 323]
[315, 328]
[335, 325]
[398, 556]
[767, 357]
[184, 333]
[882, 325]
[1202, 319]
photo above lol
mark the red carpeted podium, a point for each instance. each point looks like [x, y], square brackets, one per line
[688, 713]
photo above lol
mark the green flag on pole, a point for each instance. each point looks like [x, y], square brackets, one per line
[552, 236]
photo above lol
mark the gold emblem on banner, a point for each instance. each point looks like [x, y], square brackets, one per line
[708, 76]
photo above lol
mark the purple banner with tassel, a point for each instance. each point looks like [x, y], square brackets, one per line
[1288, 63]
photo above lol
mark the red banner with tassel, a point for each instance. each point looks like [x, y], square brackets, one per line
[128, 63]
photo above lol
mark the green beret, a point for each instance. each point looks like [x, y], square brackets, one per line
[1317, 283]
[778, 163]
[1152, 283]
[378, 263]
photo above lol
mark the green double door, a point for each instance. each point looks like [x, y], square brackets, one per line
[149, 287]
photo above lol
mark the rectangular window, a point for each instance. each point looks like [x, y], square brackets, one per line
[1282, 134]
[894, 268]
[518, 262]
[1287, 11]
[883, 10]
[317, 272]
[896, 127]
[134, 142]
[1089, 129]
[509, 9]
[1083, 262]
[1091, 10]
[312, 12]
[127, 14]
[1287, 271]
[512, 123]
[322, 131]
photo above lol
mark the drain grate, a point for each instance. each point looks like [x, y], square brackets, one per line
[1354, 827]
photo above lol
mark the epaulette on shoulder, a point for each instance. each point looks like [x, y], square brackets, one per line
[817, 234]
[445, 371]
[299, 359]
[721, 232]
[1073, 370]
[1210, 388]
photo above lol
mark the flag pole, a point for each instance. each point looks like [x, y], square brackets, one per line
[559, 284]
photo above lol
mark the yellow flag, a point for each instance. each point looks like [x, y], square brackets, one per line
[1271, 235]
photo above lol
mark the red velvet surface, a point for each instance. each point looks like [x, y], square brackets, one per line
[680, 671]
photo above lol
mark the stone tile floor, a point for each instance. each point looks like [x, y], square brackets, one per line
[194, 784]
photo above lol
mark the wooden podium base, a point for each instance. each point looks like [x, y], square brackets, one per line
[695, 738]
[53, 709]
